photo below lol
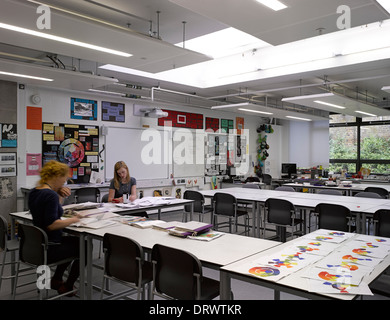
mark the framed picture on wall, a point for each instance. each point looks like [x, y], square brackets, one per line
[8, 164]
[7, 158]
[112, 111]
[83, 109]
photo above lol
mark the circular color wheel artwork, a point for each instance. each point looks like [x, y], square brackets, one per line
[264, 272]
[71, 152]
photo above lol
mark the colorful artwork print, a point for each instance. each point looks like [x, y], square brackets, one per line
[71, 152]
[332, 277]
[264, 272]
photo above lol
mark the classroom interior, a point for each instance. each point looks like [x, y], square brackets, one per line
[108, 74]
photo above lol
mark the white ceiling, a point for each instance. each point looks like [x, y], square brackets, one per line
[138, 23]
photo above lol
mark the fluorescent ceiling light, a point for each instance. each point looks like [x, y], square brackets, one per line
[366, 113]
[63, 40]
[273, 4]
[255, 111]
[298, 118]
[224, 43]
[329, 104]
[385, 4]
[231, 105]
[24, 76]
[107, 92]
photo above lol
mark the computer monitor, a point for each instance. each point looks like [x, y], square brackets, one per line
[289, 168]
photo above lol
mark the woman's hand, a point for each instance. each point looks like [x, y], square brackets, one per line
[64, 192]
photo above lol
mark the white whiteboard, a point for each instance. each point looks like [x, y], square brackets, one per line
[188, 153]
[147, 153]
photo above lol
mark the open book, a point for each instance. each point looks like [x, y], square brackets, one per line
[190, 228]
[140, 222]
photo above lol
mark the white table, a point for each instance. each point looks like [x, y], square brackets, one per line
[357, 205]
[357, 187]
[213, 254]
[293, 283]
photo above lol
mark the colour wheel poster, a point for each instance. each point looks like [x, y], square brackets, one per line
[75, 145]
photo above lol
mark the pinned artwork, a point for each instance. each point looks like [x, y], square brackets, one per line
[83, 109]
[75, 145]
[9, 136]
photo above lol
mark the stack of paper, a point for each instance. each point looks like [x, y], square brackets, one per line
[190, 228]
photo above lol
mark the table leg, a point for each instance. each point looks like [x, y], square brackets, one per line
[82, 267]
[224, 285]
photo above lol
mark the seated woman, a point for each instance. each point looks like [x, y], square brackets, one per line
[123, 185]
[45, 206]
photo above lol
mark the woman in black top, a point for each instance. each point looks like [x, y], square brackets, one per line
[45, 206]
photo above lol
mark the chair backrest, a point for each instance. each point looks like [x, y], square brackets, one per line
[32, 245]
[267, 179]
[123, 258]
[251, 186]
[332, 192]
[87, 194]
[198, 200]
[365, 194]
[174, 272]
[104, 198]
[381, 191]
[333, 216]
[3, 233]
[382, 223]
[279, 211]
[224, 204]
[285, 188]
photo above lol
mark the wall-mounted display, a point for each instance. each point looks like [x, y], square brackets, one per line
[8, 164]
[212, 124]
[227, 125]
[112, 111]
[9, 136]
[83, 109]
[75, 145]
[182, 119]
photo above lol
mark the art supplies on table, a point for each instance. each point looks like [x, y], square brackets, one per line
[191, 228]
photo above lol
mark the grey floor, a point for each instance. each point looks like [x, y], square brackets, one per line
[241, 290]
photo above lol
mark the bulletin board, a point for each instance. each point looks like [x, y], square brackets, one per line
[75, 145]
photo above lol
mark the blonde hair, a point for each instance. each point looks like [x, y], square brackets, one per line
[119, 165]
[53, 169]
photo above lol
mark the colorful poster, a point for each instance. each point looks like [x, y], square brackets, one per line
[74, 145]
[33, 164]
[34, 118]
[113, 111]
[9, 136]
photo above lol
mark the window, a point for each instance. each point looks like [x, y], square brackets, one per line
[356, 143]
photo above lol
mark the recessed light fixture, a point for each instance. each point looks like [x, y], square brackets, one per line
[24, 76]
[329, 104]
[63, 40]
[255, 111]
[298, 118]
[366, 113]
[273, 4]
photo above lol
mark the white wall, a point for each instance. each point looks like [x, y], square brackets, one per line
[306, 144]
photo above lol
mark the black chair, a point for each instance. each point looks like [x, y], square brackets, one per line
[382, 223]
[333, 217]
[124, 263]
[177, 274]
[251, 186]
[381, 220]
[331, 192]
[225, 205]
[5, 247]
[33, 246]
[104, 198]
[282, 214]
[366, 194]
[87, 194]
[285, 188]
[267, 180]
[381, 191]
[199, 206]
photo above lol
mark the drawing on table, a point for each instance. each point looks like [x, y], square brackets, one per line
[264, 272]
